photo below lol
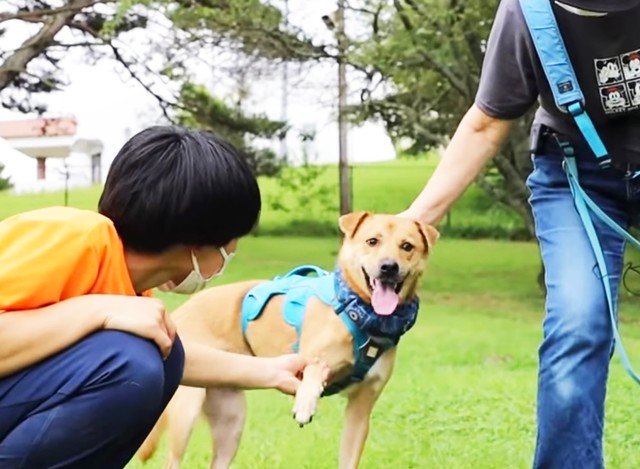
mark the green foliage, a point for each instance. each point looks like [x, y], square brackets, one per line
[254, 27]
[202, 110]
[306, 196]
[427, 55]
[301, 191]
[431, 52]
[5, 182]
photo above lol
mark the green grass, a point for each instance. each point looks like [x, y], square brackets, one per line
[463, 392]
[382, 187]
[388, 188]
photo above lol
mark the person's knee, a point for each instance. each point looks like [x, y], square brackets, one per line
[577, 345]
[133, 364]
[578, 313]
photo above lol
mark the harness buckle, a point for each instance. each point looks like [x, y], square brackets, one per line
[370, 351]
[605, 163]
[575, 109]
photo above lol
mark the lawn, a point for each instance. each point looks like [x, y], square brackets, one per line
[463, 393]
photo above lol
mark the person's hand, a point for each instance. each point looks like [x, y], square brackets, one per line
[287, 372]
[143, 316]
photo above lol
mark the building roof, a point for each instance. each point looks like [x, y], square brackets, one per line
[40, 127]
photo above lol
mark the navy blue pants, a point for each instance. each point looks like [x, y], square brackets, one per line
[89, 406]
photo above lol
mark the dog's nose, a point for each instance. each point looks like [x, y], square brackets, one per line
[389, 268]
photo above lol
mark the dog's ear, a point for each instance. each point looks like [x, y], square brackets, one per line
[350, 222]
[429, 234]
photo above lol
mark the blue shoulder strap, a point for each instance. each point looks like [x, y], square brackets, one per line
[541, 21]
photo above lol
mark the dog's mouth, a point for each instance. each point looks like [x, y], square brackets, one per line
[384, 293]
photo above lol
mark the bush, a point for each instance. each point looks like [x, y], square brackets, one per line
[5, 182]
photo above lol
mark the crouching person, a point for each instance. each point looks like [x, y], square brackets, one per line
[88, 359]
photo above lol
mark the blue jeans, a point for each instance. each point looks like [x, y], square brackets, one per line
[89, 406]
[577, 338]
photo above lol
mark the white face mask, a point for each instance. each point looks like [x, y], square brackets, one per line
[195, 281]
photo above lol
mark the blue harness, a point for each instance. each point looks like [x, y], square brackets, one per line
[372, 334]
[568, 97]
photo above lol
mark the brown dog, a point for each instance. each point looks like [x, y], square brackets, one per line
[353, 329]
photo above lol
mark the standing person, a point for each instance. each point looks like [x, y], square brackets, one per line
[603, 42]
[88, 360]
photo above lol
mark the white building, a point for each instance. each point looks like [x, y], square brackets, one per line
[46, 154]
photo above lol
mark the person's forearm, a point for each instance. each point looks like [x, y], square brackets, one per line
[476, 140]
[27, 337]
[207, 366]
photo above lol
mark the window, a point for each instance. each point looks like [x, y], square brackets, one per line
[42, 167]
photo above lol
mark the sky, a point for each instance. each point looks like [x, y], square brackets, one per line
[111, 107]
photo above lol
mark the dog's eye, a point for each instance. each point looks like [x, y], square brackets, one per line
[372, 241]
[406, 247]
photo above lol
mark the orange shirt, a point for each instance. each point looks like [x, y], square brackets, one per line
[53, 254]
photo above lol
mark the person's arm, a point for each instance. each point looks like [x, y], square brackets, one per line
[508, 88]
[476, 140]
[29, 336]
[207, 366]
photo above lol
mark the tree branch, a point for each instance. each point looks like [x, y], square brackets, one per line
[17, 62]
[446, 72]
[164, 104]
[40, 16]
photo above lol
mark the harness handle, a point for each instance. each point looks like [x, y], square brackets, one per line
[304, 271]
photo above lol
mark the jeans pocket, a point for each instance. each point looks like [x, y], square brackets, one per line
[547, 172]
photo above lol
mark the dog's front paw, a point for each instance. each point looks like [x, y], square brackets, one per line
[305, 404]
[303, 412]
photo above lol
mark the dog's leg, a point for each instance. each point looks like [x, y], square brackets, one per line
[183, 412]
[359, 407]
[313, 382]
[225, 410]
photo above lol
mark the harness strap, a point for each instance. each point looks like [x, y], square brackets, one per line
[583, 203]
[547, 40]
[304, 270]
[366, 350]
[292, 283]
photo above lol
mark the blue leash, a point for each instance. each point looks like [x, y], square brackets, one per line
[583, 203]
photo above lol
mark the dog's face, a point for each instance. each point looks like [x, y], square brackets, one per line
[383, 256]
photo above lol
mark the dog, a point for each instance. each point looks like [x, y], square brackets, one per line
[349, 321]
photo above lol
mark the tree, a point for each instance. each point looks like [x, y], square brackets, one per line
[202, 110]
[259, 40]
[32, 68]
[422, 62]
[246, 33]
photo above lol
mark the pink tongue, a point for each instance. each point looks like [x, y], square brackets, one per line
[384, 299]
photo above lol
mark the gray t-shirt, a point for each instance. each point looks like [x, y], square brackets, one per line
[605, 54]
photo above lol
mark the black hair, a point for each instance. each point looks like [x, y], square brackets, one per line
[172, 186]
